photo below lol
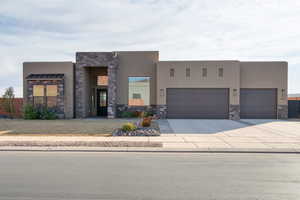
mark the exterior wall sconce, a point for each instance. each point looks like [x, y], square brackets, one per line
[234, 92]
[282, 93]
[161, 92]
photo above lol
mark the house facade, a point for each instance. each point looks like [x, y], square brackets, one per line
[108, 84]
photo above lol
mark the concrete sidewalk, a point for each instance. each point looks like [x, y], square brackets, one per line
[232, 141]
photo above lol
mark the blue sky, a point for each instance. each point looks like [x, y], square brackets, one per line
[53, 30]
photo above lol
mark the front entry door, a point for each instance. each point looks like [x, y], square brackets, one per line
[101, 102]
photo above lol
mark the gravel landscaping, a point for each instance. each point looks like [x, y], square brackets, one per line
[153, 130]
[77, 127]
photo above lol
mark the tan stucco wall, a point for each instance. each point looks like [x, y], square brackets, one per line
[266, 75]
[230, 78]
[65, 68]
[136, 63]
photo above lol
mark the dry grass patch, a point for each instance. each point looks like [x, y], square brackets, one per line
[74, 127]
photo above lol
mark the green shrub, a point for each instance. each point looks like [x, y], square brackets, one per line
[47, 114]
[125, 114]
[30, 112]
[148, 114]
[129, 114]
[129, 127]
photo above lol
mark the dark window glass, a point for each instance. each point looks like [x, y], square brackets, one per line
[204, 72]
[188, 72]
[103, 99]
[172, 72]
[220, 72]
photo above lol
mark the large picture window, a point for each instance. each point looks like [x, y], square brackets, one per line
[139, 91]
[45, 95]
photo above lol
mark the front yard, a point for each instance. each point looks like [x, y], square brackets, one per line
[76, 127]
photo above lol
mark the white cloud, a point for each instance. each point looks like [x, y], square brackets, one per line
[180, 29]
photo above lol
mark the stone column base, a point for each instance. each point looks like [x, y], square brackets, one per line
[234, 112]
[159, 110]
[282, 111]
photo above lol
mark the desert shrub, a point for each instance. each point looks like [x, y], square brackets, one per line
[30, 112]
[146, 122]
[129, 127]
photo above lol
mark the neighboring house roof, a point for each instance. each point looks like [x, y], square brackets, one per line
[45, 76]
[294, 95]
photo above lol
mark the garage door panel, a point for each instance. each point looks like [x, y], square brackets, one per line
[258, 103]
[197, 103]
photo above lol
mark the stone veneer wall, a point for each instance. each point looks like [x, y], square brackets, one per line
[234, 112]
[282, 111]
[159, 110]
[96, 59]
[59, 109]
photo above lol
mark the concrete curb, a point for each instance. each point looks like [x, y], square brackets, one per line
[145, 150]
[87, 144]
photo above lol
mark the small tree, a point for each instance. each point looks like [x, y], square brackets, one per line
[8, 101]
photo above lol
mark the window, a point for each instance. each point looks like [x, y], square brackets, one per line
[139, 91]
[172, 72]
[45, 95]
[204, 72]
[51, 92]
[38, 95]
[102, 80]
[220, 72]
[188, 72]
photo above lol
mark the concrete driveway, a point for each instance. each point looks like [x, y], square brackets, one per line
[249, 127]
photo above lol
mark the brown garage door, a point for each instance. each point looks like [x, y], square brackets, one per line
[196, 103]
[258, 103]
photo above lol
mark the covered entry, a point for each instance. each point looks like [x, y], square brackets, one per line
[201, 103]
[258, 103]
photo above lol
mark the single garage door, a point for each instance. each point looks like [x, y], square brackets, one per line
[258, 103]
[196, 103]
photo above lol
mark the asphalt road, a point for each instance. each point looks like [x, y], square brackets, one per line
[57, 175]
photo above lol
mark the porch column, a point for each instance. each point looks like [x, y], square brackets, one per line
[112, 91]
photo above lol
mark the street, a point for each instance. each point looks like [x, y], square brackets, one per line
[76, 175]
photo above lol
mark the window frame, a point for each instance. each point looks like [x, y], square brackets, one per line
[45, 95]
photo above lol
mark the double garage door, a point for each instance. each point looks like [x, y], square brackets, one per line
[213, 103]
[197, 103]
